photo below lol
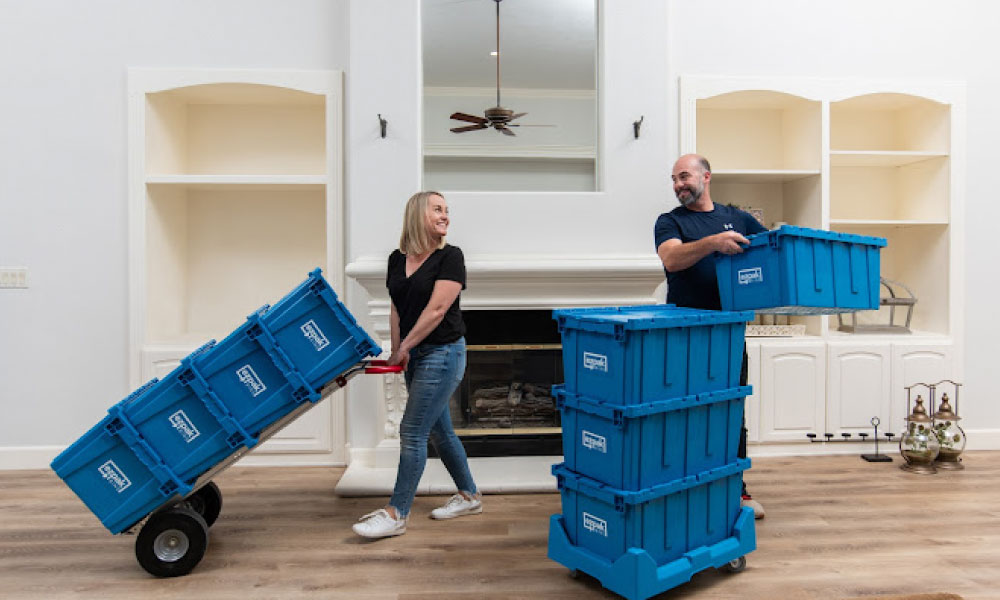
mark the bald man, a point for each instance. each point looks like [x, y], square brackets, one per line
[687, 238]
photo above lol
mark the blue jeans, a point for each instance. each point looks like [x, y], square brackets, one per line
[432, 375]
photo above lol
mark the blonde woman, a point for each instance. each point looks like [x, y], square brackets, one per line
[424, 277]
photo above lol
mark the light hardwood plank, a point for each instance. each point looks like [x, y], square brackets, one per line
[837, 527]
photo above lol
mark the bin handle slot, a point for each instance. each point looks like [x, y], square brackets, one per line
[713, 365]
[850, 264]
[816, 283]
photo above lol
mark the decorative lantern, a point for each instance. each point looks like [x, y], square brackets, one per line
[919, 445]
[951, 437]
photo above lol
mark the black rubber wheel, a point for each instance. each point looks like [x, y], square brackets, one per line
[736, 565]
[172, 542]
[574, 574]
[207, 502]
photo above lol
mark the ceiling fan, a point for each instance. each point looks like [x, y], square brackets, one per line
[498, 117]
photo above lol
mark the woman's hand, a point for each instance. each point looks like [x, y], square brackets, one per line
[399, 357]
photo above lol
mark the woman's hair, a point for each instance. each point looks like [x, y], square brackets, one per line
[415, 238]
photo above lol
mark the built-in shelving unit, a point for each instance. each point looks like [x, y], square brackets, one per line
[235, 195]
[870, 159]
[890, 176]
[873, 158]
[235, 179]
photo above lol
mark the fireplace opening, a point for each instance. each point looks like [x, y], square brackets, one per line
[504, 405]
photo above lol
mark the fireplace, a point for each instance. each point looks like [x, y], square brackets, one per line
[504, 405]
[506, 294]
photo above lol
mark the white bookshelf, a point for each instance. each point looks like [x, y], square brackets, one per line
[876, 158]
[235, 194]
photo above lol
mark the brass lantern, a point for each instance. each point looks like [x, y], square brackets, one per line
[919, 444]
[951, 437]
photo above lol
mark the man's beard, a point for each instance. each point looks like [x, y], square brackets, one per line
[694, 193]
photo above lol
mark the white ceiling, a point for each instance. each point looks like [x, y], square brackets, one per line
[547, 44]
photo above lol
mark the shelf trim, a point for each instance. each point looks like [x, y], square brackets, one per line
[763, 175]
[881, 158]
[487, 151]
[228, 180]
[889, 222]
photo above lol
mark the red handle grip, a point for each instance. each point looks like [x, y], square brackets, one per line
[380, 367]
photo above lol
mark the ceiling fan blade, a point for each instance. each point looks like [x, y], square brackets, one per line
[517, 115]
[469, 128]
[470, 118]
[505, 131]
[527, 125]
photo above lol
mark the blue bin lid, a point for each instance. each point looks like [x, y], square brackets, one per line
[762, 239]
[651, 316]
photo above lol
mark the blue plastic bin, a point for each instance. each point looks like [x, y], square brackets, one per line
[645, 445]
[244, 374]
[794, 270]
[665, 521]
[185, 429]
[316, 333]
[635, 575]
[116, 473]
[638, 354]
[155, 444]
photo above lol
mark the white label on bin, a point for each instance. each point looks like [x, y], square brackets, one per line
[595, 362]
[113, 475]
[592, 441]
[249, 378]
[180, 421]
[748, 276]
[315, 335]
[595, 525]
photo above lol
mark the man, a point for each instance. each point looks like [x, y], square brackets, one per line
[686, 239]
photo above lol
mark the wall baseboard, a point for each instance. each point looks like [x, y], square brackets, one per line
[39, 457]
[28, 457]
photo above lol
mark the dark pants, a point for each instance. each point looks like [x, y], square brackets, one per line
[741, 451]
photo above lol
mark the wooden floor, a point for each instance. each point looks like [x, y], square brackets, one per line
[837, 527]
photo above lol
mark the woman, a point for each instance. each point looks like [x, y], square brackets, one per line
[425, 276]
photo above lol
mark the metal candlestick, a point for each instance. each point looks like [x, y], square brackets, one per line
[876, 457]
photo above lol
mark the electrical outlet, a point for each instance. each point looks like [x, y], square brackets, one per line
[13, 277]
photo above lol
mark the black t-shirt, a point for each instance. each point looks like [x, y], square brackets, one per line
[697, 286]
[410, 295]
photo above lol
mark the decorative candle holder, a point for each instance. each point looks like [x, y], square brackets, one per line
[951, 437]
[919, 444]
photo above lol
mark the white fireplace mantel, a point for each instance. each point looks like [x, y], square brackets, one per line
[512, 281]
[492, 282]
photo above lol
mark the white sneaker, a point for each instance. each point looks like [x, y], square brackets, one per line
[379, 524]
[457, 506]
[758, 510]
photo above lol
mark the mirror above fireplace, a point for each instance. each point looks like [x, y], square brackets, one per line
[544, 75]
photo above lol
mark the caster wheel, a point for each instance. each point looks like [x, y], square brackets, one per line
[574, 574]
[207, 502]
[172, 542]
[736, 565]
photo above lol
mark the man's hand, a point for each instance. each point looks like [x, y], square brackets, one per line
[728, 242]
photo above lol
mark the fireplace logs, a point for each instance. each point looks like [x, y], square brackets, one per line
[500, 405]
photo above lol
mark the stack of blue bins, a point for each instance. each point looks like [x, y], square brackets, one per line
[223, 399]
[651, 415]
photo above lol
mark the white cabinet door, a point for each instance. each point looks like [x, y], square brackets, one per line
[751, 408]
[310, 433]
[858, 386]
[917, 362]
[792, 389]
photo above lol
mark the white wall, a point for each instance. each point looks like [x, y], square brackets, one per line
[63, 357]
[63, 341]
